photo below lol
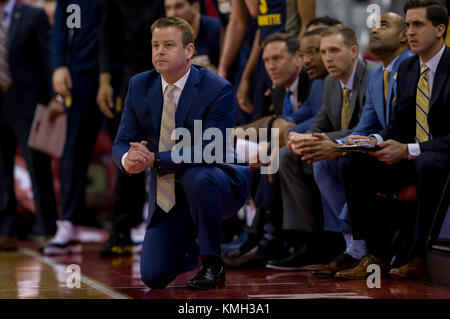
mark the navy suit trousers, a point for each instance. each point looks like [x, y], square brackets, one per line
[15, 125]
[174, 240]
[363, 176]
[83, 124]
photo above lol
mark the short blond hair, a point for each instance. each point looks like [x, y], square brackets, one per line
[187, 34]
[348, 34]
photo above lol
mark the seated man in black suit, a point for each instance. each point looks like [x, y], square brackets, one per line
[415, 146]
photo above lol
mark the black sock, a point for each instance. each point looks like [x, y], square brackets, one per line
[211, 260]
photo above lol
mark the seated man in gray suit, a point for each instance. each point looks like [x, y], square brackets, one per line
[343, 98]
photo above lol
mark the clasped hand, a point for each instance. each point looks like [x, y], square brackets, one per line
[313, 148]
[139, 158]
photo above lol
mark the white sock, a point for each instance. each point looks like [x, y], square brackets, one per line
[348, 239]
[357, 249]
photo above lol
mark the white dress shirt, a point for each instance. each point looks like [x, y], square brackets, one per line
[179, 86]
[8, 9]
[349, 84]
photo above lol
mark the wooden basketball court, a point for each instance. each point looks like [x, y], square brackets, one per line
[27, 274]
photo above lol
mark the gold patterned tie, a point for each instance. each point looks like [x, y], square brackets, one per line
[386, 77]
[165, 186]
[5, 76]
[345, 113]
[422, 106]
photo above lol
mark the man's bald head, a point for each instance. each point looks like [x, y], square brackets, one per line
[388, 35]
[396, 18]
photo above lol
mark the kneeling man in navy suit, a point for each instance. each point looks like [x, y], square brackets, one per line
[188, 198]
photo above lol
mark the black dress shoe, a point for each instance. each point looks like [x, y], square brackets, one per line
[210, 276]
[302, 259]
[254, 258]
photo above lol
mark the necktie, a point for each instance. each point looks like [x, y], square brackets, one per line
[165, 185]
[422, 106]
[386, 76]
[345, 113]
[5, 76]
[287, 107]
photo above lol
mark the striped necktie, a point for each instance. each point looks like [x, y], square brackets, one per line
[386, 77]
[345, 113]
[165, 185]
[422, 106]
[5, 76]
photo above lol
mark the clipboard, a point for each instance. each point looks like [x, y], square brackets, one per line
[364, 148]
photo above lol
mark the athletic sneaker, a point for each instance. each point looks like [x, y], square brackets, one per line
[66, 240]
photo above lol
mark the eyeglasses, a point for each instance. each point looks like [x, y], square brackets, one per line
[309, 53]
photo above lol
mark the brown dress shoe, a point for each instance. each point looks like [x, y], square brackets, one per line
[415, 269]
[360, 270]
[342, 262]
[8, 243]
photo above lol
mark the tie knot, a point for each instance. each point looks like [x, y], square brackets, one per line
[288, 94]
[169, 89]
[387, 74]
[346, 92]
[423, 69]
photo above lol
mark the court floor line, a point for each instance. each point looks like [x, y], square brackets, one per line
[249, 284]
[84, 279]
[343, 295]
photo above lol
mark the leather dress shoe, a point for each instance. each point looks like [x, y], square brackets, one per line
[302, 259]
[415, 269]
[209, 276]
[360, 270]
[8, 243]
[342, 262]
[255, 257]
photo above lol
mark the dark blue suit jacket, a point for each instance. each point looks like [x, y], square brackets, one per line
[83, 52]
[29, 57]
[206, 97]
[305, 115]
[208, 39]
[402, 127]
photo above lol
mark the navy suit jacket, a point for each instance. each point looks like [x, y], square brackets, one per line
[305, 115]
[375, 115]
[29, 57]
[206, 97]
[83, 51]
[402, 126]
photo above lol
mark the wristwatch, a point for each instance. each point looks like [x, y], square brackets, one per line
[156, 161]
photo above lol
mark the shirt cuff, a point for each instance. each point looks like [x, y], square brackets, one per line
[122, 161]
[378, 137]
[413, 151]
